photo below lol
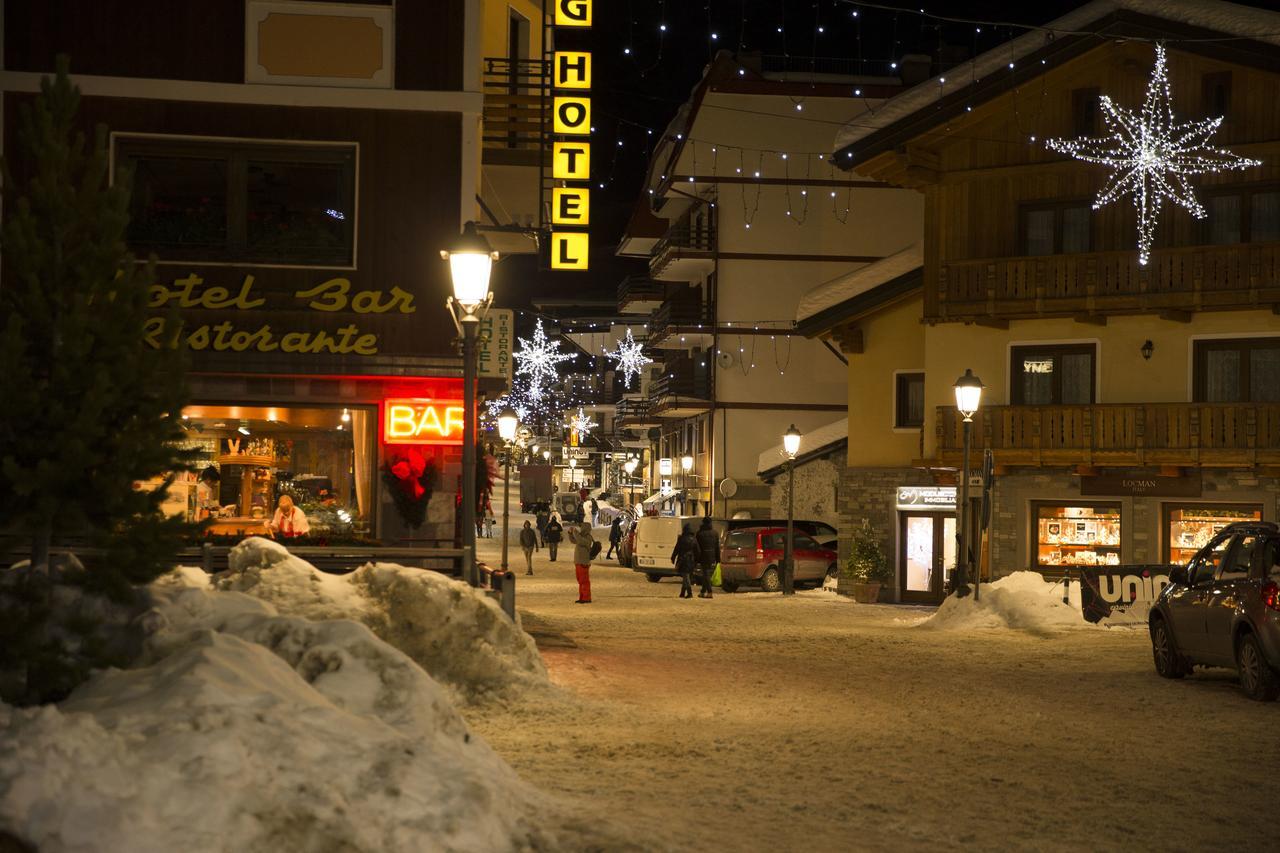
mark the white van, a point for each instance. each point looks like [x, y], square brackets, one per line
[655, 539]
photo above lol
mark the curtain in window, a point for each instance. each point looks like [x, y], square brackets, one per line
[1037, 380]
[1077, 379]
[1224, 219]
[1039, 232]
[1264, 225]
[363, 470]
[1075, 229]
[1264, 375]
[1222, 376]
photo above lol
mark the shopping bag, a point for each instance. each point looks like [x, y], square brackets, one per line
[715, 576]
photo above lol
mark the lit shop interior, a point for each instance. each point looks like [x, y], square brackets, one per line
[249, 456]
[1090, 534]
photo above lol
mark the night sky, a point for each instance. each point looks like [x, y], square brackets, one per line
[641, 89]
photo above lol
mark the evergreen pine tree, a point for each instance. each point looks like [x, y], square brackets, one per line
[89, 407]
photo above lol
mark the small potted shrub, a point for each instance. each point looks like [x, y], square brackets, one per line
[866, 570]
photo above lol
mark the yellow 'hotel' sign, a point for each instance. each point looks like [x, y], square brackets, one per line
[571, 158]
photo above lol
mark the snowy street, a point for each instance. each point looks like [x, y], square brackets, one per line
[750, 722]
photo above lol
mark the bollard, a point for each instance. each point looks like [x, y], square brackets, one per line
[206, 558]
[508, 589]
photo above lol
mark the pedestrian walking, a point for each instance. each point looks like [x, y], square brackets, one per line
[489, 522]
[552, 535]
[540, 518]
[615, 536]
[595, 513]
[709, 554]
[583, 546]
[685, 558]
[528, 544]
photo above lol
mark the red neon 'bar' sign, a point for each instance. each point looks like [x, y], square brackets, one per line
[411, 420]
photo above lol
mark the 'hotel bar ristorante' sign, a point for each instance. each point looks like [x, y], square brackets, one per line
[571, 150]
[328, 296]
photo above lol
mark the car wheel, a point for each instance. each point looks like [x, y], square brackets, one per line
[1257, 677]
[653, 578]
[1169, 663]
[729, 586]
[770, 581]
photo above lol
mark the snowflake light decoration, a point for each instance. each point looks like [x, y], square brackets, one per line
[538, 360]
[630, 358]
[1151, 155]
[582, 424]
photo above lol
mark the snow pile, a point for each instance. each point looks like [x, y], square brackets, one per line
[456, 633]
[1022, 600]
[266, 570]
[248, 731]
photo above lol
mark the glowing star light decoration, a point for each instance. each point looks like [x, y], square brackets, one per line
[630, 358]
[581, 424]
[1152, 156]
[538, 359]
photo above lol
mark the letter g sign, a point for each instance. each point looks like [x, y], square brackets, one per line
[573, 13]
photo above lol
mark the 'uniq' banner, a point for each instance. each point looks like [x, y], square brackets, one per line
[1121, 594]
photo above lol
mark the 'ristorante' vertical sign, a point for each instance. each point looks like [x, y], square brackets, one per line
[571, 149]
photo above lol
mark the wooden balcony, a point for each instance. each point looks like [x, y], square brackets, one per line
[1176, 280]
[683, 254]
[1211, 435]
[516, 109]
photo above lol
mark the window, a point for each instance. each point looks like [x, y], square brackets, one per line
[1237, 370]
[1237, 567]
[741, 539]
[804, 543]
[1077, 535]
[1191, 526]
[909, 401]
[241, 202]
[1084, 111]
[1204, 568]
[1053, 375]
[1243, 216]
[1056, 228]
[1215, 94]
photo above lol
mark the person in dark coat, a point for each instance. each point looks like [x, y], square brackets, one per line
[528, 544]
[709, 555]
[685, 557]
[541, 517]
[552, 535]
[595, 512]
[615, 536]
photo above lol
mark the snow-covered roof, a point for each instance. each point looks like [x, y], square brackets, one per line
[810, 442]
[848, 285]
[1228, 18]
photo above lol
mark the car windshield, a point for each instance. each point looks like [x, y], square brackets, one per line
[740, 539]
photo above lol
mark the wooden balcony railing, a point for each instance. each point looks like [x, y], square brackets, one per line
[1185, 434]
[1192, 278]
[631, 410]
[639, 289]
[681, 378]
[675, 317]
[516, 103]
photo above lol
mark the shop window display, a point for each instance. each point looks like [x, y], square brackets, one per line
[1190, 527]
[251, 456]
[1077, 535]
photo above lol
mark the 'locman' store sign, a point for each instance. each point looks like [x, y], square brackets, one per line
[329, 296]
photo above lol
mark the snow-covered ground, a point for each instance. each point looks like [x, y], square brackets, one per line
[750, 722]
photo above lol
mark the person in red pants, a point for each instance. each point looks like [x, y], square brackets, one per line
[583, 545]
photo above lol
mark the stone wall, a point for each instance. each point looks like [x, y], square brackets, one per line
[817, 484]
[869, 495]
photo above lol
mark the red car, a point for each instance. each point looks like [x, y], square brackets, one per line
[753, 555]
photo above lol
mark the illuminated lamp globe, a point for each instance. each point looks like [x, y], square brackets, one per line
[508, 423]
[546, 455]
[573, 463]
[686, 464]
[629, 466]
[968, 394]
[470, 263]
[791, 441]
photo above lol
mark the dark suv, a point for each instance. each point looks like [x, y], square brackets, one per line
[1223, 609]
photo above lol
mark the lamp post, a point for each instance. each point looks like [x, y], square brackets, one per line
[791, 445]
[968, 398]
[508, 421]
[573, 472]
[470, 263]
[686, 465]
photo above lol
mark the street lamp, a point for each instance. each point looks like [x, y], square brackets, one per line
[686, 465]
[790, 444]
[508, 423]
[630, 467]
[573, 472]
[968, 398]
[470, 263]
